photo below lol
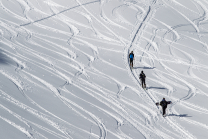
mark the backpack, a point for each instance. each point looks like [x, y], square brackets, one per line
[163, 103]
[131, 56]
[142, 76]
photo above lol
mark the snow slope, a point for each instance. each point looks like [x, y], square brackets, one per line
[65, 72]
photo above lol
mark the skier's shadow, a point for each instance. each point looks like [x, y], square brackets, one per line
[156, 87]
[144, 67]
[180, 115]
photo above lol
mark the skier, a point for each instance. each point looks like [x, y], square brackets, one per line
[142, 77]
[164, 105]
[131, 57]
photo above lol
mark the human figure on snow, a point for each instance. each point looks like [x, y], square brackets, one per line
[131, 57]
[164, 105]
[142, 77]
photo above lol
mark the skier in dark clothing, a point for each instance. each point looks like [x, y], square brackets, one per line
[131, 57]
[164, 105]
[142, 77]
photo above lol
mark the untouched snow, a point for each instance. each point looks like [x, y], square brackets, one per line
[65, 72]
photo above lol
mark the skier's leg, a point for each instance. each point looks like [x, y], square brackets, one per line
[141, 82]
[132, 64]
[163, 110]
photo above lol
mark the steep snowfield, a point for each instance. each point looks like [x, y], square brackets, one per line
[65, 72]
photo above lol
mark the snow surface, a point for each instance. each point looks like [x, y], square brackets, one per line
[65, 72]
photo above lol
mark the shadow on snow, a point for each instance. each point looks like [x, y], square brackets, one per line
[144, 67]
[156, 88]
[180, 115]
[4, 59]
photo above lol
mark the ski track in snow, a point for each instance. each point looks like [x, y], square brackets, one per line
[33, 51]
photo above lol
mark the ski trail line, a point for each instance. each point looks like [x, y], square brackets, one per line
[134, 39]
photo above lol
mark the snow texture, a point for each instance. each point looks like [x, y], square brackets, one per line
[65, 71]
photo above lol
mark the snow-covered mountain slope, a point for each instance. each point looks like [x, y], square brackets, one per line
[65, 70]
